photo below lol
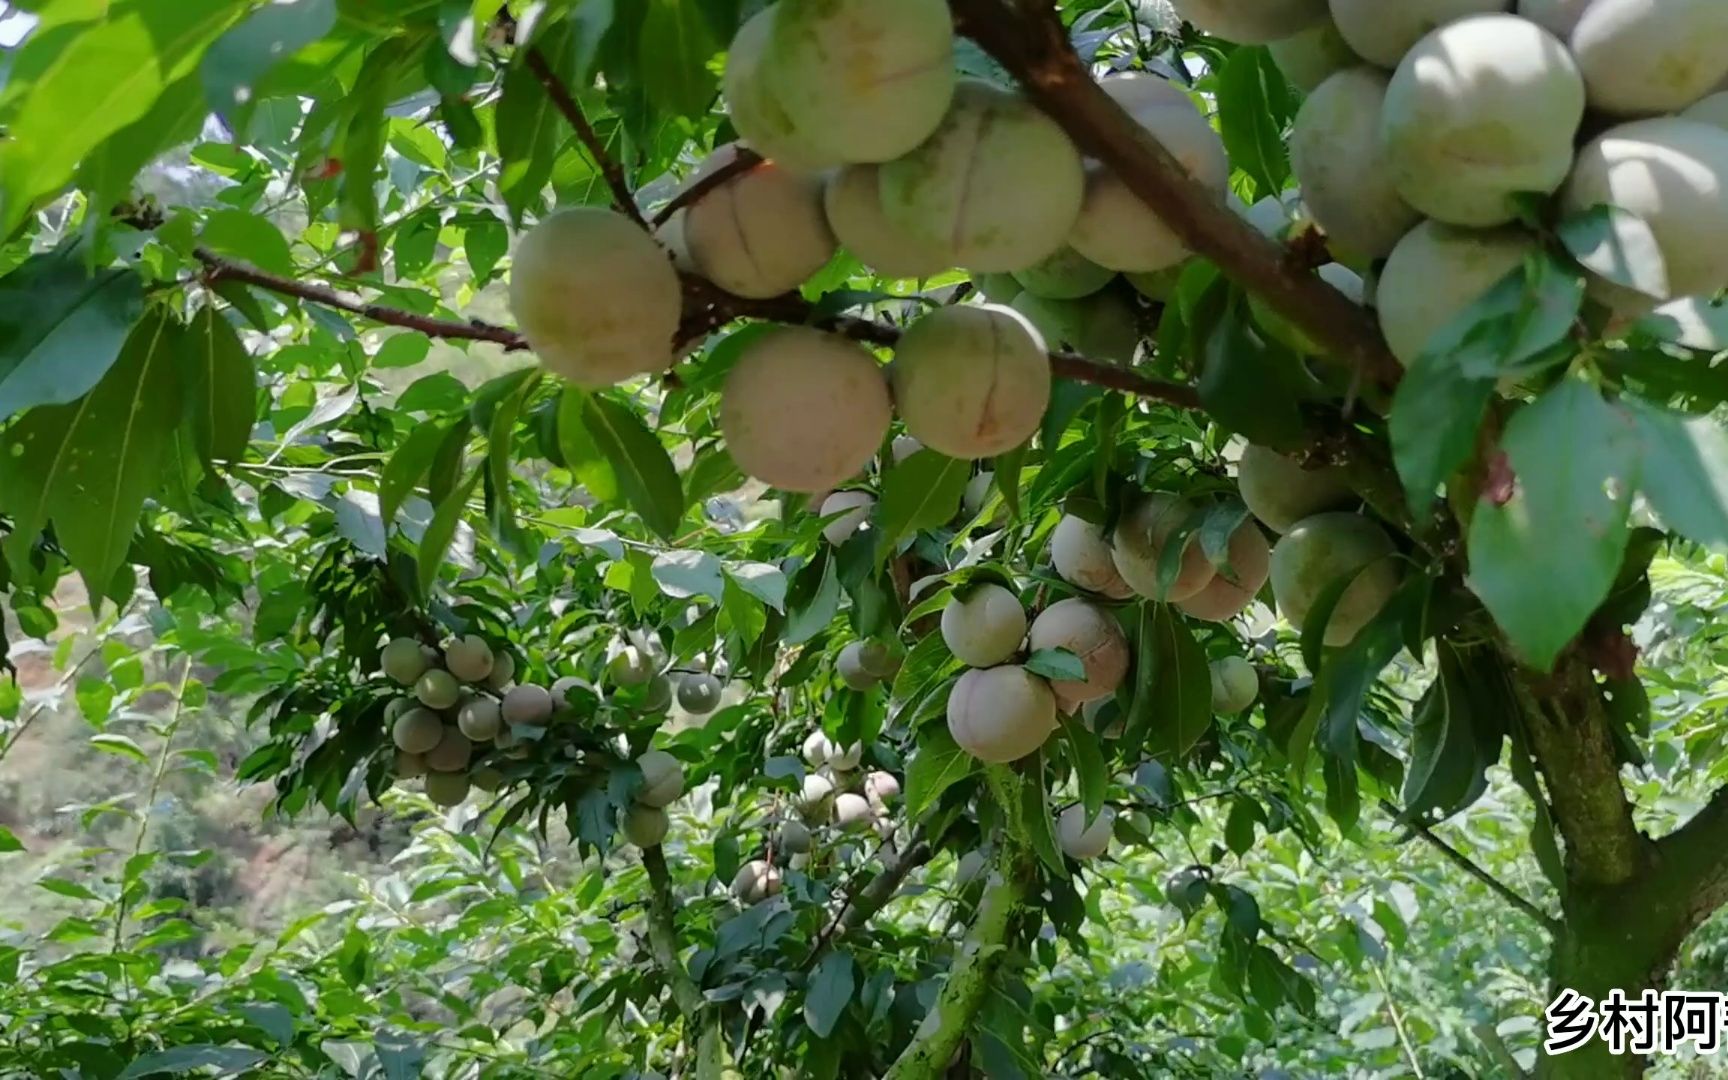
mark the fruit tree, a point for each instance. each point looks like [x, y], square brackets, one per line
[811, 453]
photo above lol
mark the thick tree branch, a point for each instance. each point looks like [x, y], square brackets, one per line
[1692, 863]
[1570, 736]
[663, 936]
[1471, 867]
[567, 105]
[1034, 49]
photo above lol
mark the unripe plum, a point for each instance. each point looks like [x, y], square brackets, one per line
[1158, 285]
[503, 670]
[658, 696]
[794, 837]
[755, 110]
[452, 752]
[396, 707]
[845, 758]
[1435, 274]
[1558, 17]
[853, 811]
[1093, 635]
[853, 672]
[816, 797]
[1235, 685]
[803, 410]
[1312, 56]
[1641, 57]
[699, 695]
[864, 80]
[852, 200]
[480, 719]
[1103, 326]
[1001, 714]
[469, 658]
[854, 508]
[999, 183]
[755, 882]
[759, 234]
[816, 749]
[1382, 32]
[1480, 110]
[561, 689]
[971, 381]
[1251, 22]
[646, 826]
[408, 766]
[1137, 548]
[881, 788]
[486, 778]
[596, 297]
[447, 788]
[1250, 563]
[1280, 492]
[1080, 840]
[437, 689]
[1115, 227]
[903, 447]
[403, 662]
[1673, 173]
[998, 288]
[631, 666]
[1348, 180]
[1081, 557]
[662, 778]
[1325, 549]
[527, 704]
[1064, 275]
[984, 625]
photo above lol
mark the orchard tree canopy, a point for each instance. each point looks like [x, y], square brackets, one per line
[874, 477]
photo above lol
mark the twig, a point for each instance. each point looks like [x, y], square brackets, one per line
[861, 904]
[217, 268]
[566, 103]
[41, 707]
[663, 937]
[123, 908]
[1469, 866]
[1397, 1019]
[743, 161]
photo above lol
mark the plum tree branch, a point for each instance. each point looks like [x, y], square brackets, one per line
[663, 936]
[567, 105]
[1033, 46]
[745, 160]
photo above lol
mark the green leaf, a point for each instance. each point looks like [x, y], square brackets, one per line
[676, 45]
[922, 492]
[89, 465]
[242, 56]
[937, 765]
[644, 471]
[402, 350]
[1239, 826]
[1247, 382]
[108, 171]
[229, 1060]
[583, 458]
[408, 466]
[121, 745]
[1037, 818]
[1253, 102]
[8, 842]
[1519, 326]
[248, 238]
[61, 327]
[766, 583]
[1435, 416]
[362, 148]
[688, 573]
[64, 887]
[109, 74]
[831, 986]
[1544, 560]
[1445, 768]
[1619, 246]
[1007, 473]
[742, 613]
[529, 128]
[1683, 470]
[1056, 664]
[1180, 693]
[222, 395]
[441, 532]
[1090, 771]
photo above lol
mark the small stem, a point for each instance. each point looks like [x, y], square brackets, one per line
[150, 798]
[42, 707]
[566, 103]
[1397, 1019]
[1469, 866]
[742, 161]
